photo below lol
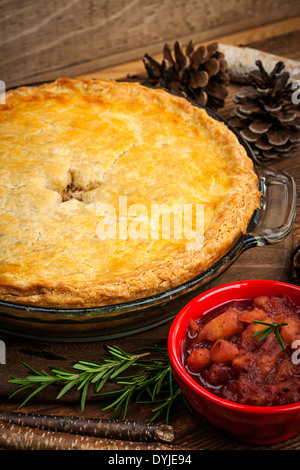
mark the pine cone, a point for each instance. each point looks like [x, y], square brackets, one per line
[200, 75]
[294, 277]
[266, 116]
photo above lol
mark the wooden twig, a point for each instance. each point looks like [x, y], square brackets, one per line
[111, 429]
[16, 437]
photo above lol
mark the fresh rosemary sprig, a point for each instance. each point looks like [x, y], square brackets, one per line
[266, 331]
[153, 379]
[80, 375]
[154, 382]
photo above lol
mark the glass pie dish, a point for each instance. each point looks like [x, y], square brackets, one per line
[270, 224]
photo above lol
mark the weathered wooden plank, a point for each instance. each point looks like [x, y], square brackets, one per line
[289, 28]
[42, 40]
[191, 430]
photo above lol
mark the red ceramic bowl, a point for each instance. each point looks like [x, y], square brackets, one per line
[252, 424]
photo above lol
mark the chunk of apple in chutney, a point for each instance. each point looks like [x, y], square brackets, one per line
[223, 351]
[198, 360]
[223, 326]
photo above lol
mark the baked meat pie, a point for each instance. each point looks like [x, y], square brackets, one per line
[112, 192]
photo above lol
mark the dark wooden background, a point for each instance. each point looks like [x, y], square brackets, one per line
[41, 39]
[191, 430]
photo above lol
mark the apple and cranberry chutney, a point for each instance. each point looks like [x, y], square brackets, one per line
[246, 352]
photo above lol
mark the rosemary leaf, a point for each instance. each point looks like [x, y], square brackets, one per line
[65, 389]
[263, 322]
[37, 390]
[84, 395]
[264, 336]
[279, 338]
[264, 330]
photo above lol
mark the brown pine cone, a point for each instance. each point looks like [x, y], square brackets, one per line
[266, 116]
[294, 277]
[200, 75]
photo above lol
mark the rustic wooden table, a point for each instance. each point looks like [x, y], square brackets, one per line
[191, 431]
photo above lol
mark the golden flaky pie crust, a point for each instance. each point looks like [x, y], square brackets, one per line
[70, 146]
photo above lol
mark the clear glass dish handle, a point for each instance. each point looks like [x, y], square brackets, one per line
[274, 221]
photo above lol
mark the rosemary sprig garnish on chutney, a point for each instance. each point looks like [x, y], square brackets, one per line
[271, 327]
[152, 382]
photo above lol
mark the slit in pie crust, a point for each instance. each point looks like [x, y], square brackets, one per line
[74, 148]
